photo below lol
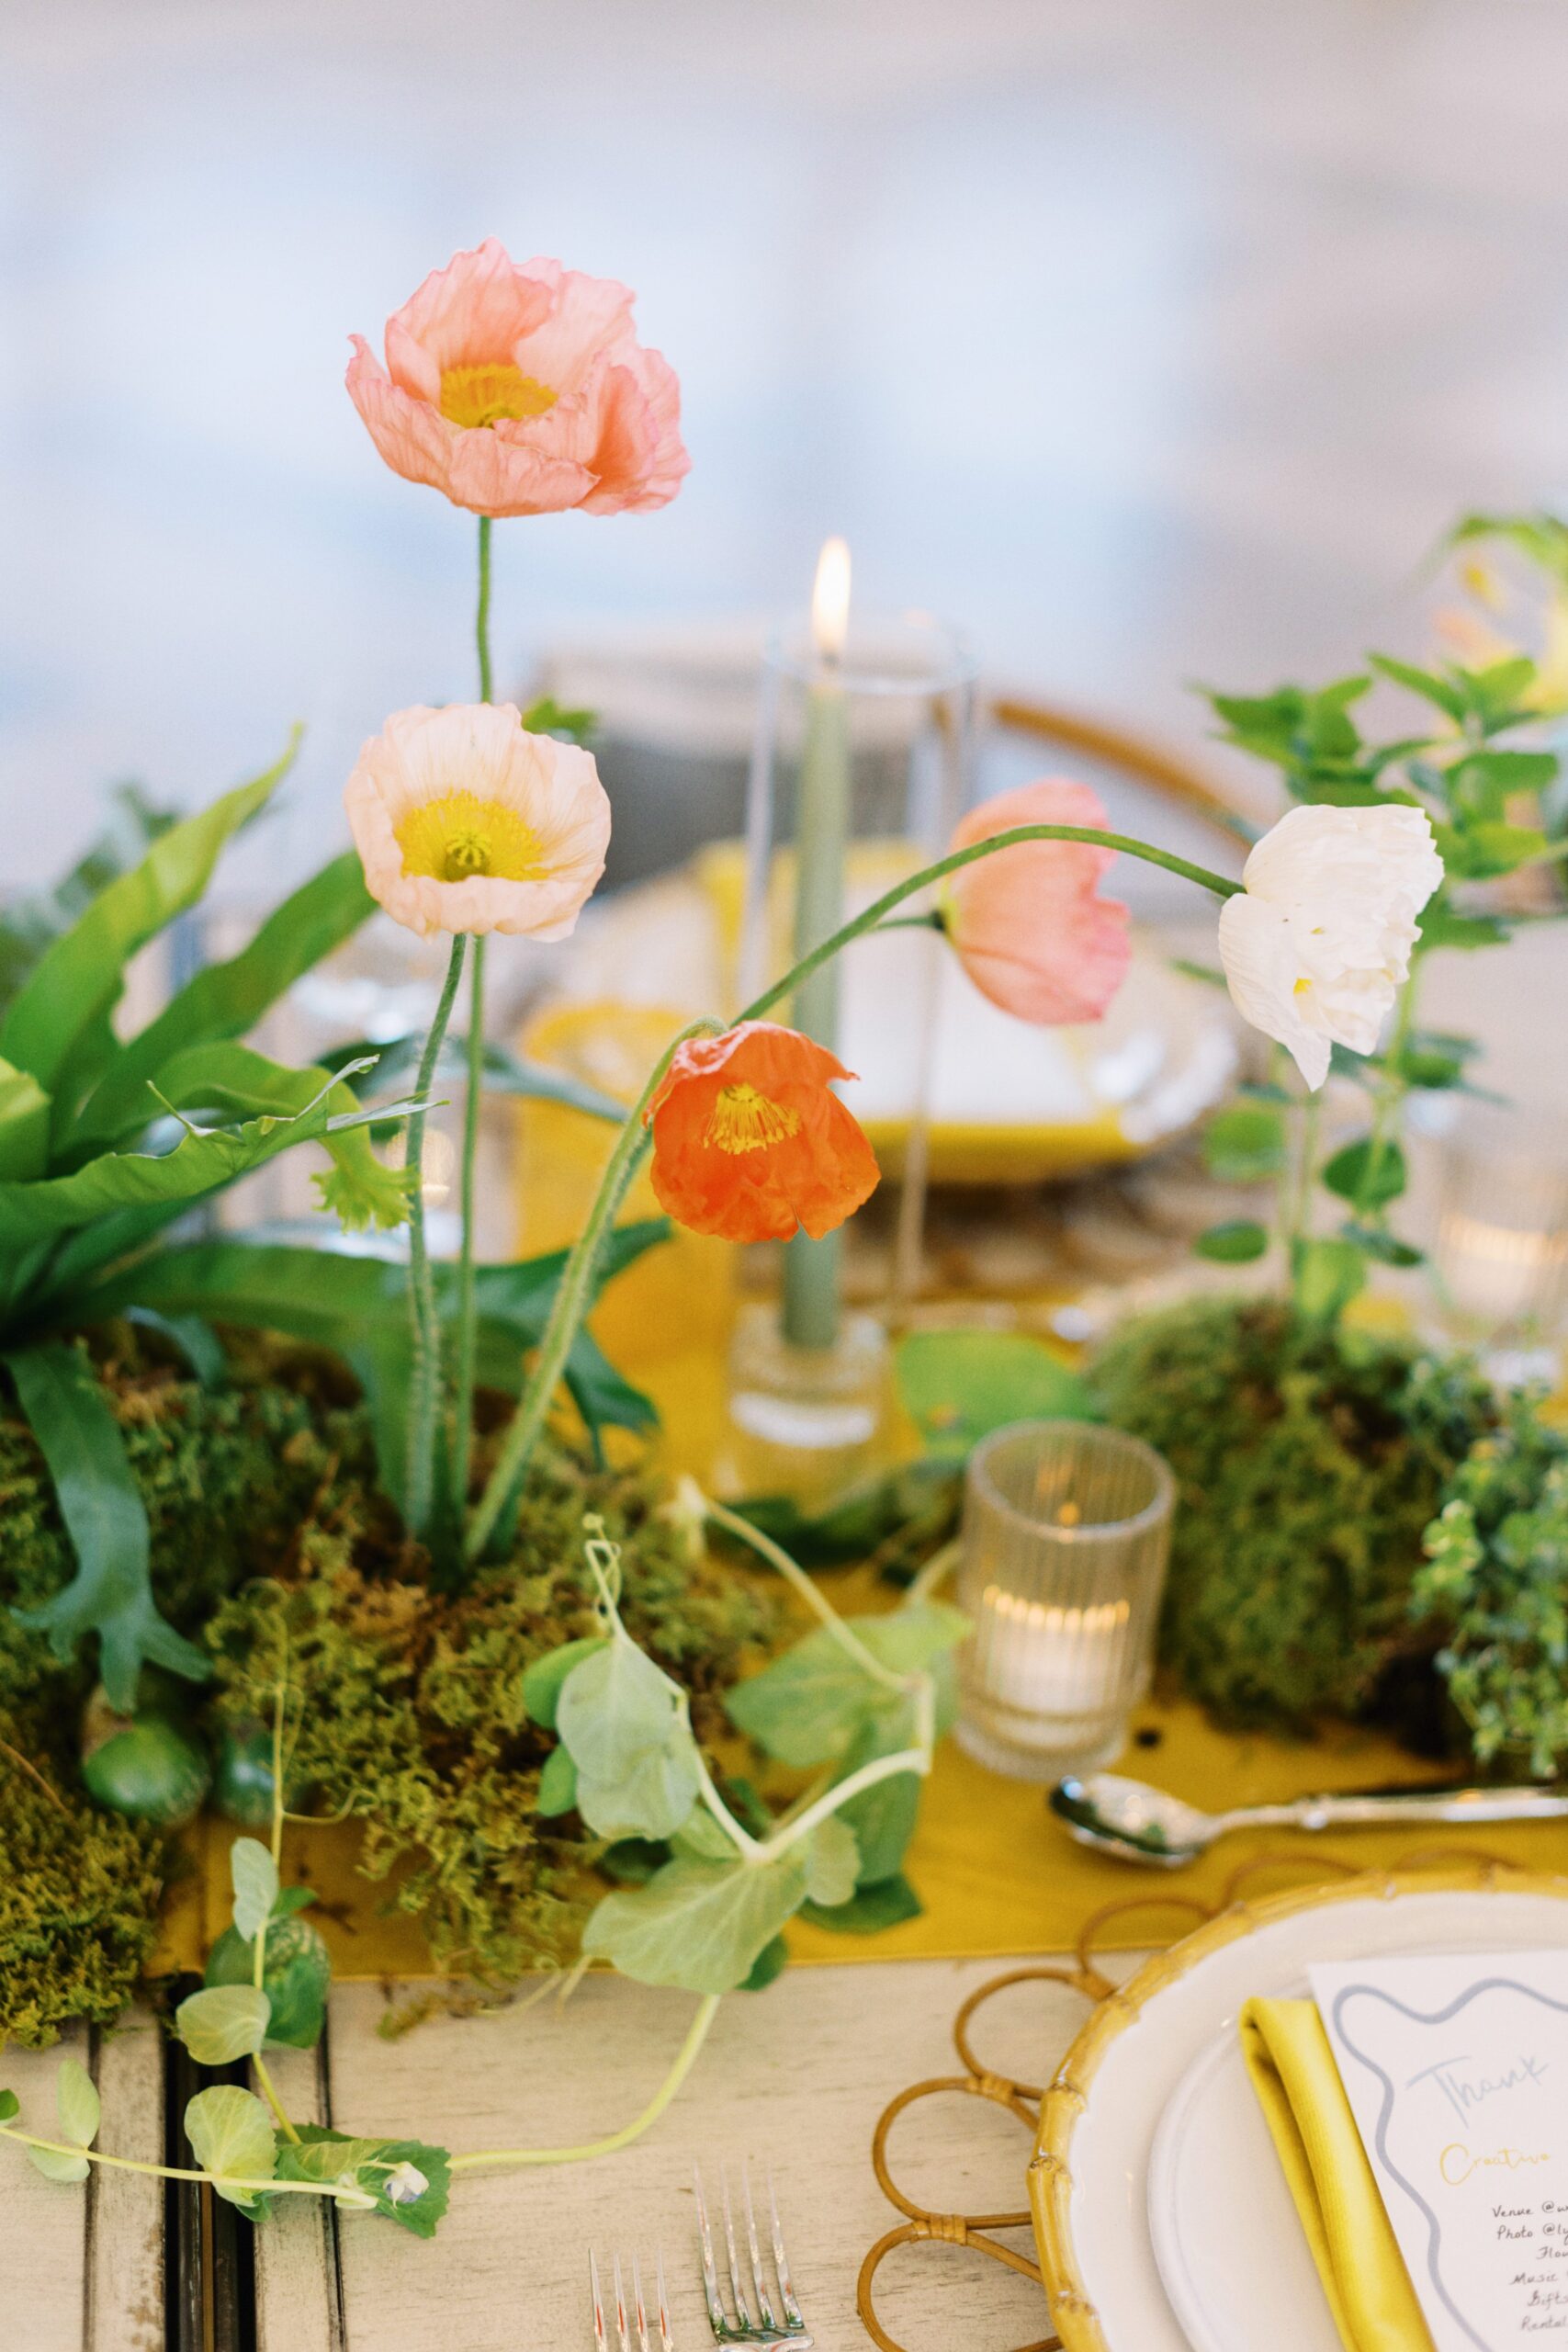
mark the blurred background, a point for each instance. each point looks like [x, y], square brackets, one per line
[1147, 340]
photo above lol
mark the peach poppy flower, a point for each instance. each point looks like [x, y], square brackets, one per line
[749, 1141]
[1028, 927]
[463, 822]
[523, 391]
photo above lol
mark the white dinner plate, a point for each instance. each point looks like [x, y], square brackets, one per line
[1163, 2218]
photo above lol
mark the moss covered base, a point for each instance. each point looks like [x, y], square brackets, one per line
[271, 1546]
[1309, 1461]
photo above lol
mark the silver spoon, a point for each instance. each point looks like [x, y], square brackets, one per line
[1144, 1825]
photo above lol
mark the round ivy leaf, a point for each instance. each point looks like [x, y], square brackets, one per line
[222, 2023]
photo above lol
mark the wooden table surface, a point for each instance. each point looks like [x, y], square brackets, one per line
[794, 2078]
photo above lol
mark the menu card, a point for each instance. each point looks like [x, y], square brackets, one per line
[1457, 2072]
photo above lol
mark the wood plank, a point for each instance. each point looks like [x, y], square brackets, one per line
[296, 2247]
[43, 2263]
[82, 2268]
[124, 2302]
[794, 2078]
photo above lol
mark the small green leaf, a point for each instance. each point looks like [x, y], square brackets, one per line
[832, 1862]
[1245, 1143]
[67, 2170]
[298, 1974]
[699, 1925]
[1235, 1243]
[1441, 926]
[542, 1681]
[253, 1874]
[1439, 692]
[1383, 1246]
[230, 2135]
[959, 1386]
[810, 1705]
[870, 1910]
[557, 1785]
[222, 2023]
[388, 2170]
[770, 1962]
[10, 2106]
[76, 2098]
[1328, 1275]
[1369, 1172]
[1480, 853]
[638, 1768]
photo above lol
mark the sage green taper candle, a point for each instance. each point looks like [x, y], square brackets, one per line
[812, 1274]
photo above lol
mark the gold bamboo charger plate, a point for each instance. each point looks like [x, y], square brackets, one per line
[1088, 2179]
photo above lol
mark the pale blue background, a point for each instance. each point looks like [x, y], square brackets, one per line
[1149, 338]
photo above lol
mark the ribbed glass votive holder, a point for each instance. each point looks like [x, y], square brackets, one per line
[1066, 1532]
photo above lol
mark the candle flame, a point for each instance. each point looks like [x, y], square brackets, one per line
[831, 599]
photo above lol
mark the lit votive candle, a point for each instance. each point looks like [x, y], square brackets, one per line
[1066, 1532]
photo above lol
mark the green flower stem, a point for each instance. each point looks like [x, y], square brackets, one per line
[678, 2073]
[425, 1382]
[1391, 1092]
[365, 2204]
[576, 1285]
[269, 2093]
[572, 1299]
[881, 1768]
[482, 616]
[816, 1601]
[468, 1313]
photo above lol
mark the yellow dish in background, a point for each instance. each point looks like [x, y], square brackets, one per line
[1009, 1103]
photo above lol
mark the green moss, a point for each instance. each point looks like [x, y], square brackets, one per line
[1309, 1461]
[1495, 1583]
[407, 1712]
[264, 1516]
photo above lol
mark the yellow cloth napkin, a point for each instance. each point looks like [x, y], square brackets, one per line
[1291, 2066]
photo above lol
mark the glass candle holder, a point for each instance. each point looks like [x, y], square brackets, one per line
[1066, 1532]
[1500, 1261]
[860, 774]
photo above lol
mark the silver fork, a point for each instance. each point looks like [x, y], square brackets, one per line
[769, 2329]
[639, 2314]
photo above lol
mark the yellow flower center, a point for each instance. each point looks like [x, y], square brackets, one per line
[744, 1120]
[476, 396]
[457, 835]
[1301, 987]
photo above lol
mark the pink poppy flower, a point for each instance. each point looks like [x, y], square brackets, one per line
[463, 823]
[523, 391]
[1028, 928]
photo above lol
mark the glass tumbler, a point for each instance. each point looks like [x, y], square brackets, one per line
[1066, 1532]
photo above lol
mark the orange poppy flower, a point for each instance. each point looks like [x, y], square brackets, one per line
[749, 1142]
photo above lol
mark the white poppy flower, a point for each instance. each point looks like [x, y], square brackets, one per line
[463, 823]
[1318, 943]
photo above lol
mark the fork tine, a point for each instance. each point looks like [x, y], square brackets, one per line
[641, 2315]
[764, 2303]
[743, 2309]
[598, 2303]
[666, 2334]
[717, 2319]
[622, 2338]
[780, 2260]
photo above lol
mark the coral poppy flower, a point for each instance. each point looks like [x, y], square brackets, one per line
[749, 1141]
[523, 391]
[465, 822]
[1028, 927]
